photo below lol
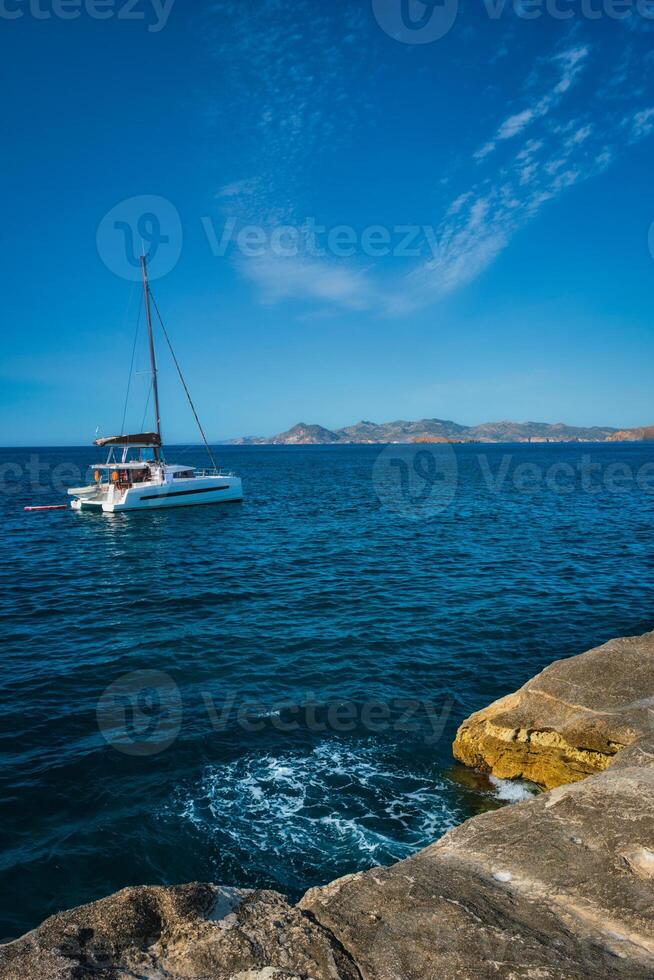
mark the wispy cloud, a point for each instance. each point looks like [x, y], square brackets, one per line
[515, 124]
[284, 278]
[581, 105]
[483, 220]
[642, 123]
[289, 70]
[568, 64]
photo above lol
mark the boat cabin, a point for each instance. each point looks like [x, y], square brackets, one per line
[126, 473]
[127, 463]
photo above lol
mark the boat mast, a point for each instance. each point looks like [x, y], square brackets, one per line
[153, 357]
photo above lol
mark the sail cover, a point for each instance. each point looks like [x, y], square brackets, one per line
[146, 440]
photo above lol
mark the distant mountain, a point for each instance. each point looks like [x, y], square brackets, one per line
[645, 432]
[302, 434]
[441, 430]
[401, 431]
[536, 432]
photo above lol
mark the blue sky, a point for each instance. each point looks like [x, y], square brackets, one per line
[486, 200]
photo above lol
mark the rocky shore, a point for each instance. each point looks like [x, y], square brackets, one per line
[559, 886]
[570, 721]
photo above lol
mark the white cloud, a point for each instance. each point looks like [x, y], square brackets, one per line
[568, 64]
[507, 196]
[238, 188]
[528, 150]
[515, 124]
[458, 203]
[604, 159]
[528, 172]
[464, 252]
[539, 150]
[485, 150]
[580, 135]
[289, 69]
[642, 124]
[572, 61]
[282, 278]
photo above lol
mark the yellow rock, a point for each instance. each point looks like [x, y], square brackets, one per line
[569, 721]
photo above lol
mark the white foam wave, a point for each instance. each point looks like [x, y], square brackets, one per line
[338, 805]
[512, 790]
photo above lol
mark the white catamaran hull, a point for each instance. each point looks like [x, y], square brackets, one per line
[149, 496]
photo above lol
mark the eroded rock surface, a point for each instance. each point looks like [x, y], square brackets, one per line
[640, 753]
[560, 886]
[191, 931]
[569, 721]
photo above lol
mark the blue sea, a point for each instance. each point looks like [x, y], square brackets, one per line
[265, 693]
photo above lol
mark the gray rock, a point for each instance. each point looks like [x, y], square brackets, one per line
[190, 931]
[640, 753]
[558, 886]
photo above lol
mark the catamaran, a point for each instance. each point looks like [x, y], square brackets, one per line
[136, 475]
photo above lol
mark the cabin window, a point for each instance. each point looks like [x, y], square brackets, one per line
[184, 475]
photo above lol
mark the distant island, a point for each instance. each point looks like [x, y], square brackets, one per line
[440, 430]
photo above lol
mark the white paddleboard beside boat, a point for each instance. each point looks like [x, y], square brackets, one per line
[136, 476]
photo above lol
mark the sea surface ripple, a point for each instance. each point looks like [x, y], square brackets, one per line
[313, 593]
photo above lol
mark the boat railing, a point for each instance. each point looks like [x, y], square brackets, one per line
[213, 472]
